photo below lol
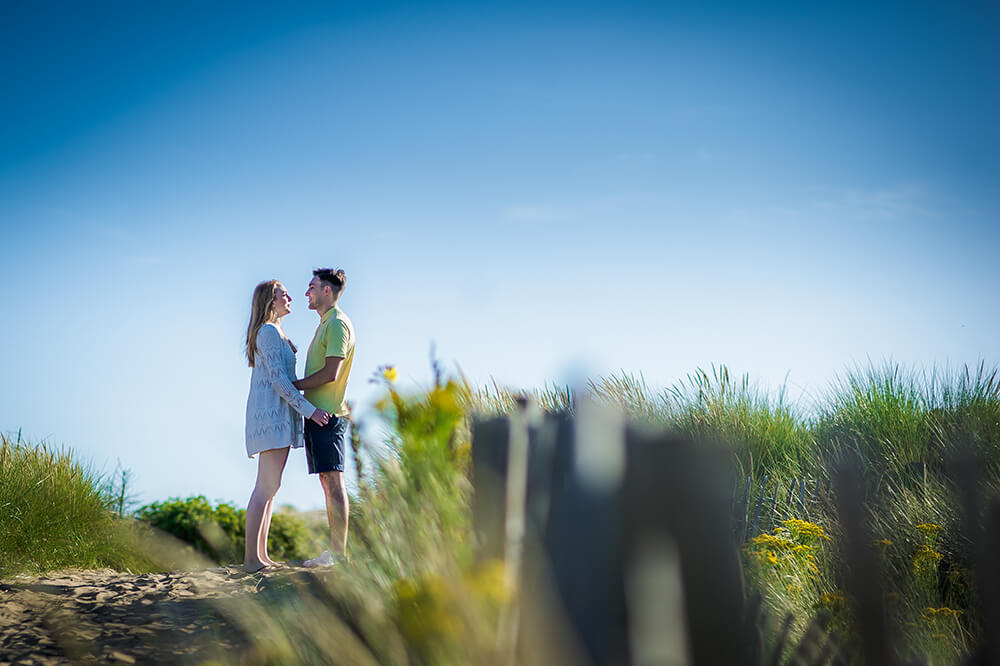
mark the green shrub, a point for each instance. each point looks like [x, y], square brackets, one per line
[219, 532]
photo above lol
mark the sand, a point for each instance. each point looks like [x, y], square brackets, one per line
[104, 616]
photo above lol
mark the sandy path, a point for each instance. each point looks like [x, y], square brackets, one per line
[104, 616]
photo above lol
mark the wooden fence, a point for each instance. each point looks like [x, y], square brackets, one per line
[622, 546]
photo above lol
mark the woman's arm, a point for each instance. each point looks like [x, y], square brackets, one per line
[325, 375]
[269, 358]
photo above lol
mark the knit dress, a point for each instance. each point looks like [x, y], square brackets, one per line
[275, 408]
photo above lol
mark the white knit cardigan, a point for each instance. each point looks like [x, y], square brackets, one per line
[275, 408]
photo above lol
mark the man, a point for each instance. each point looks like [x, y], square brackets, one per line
[328, 364]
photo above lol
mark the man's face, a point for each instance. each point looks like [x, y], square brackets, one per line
[317, 294]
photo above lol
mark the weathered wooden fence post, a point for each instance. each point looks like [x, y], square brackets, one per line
[582, 539]
[489, 473]
[598, 500]
[864, 580]
[679, 491]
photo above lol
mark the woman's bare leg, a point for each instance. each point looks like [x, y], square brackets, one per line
[270, 465]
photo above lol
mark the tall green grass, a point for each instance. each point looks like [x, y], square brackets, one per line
[899, 420]
[900, 424]
[412, 591]
[55, 512]
[769, 435]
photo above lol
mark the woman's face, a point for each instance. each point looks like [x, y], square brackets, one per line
[282, 303]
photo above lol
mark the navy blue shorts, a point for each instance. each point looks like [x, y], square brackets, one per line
[325, 445]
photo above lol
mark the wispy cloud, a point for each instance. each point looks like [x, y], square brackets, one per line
[539, 212]
[877, 204]
[635, 159]
[843, 206]
[597, 207]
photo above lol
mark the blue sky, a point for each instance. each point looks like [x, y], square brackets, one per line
[539, 190]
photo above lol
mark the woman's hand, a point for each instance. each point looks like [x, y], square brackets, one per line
[321, 417]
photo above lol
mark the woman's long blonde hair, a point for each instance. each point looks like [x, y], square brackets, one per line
[261, 312]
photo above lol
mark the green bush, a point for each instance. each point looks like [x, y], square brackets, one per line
[219, 532]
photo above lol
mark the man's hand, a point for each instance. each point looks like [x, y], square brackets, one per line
[321, 417]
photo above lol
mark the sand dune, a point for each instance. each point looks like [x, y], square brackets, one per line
[105, 616]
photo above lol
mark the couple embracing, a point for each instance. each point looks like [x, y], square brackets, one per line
[276, 409]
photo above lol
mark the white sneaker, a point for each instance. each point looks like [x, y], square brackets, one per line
[325, 559]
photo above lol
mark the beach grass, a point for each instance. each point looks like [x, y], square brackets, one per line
[413, 590]
[56, 512]
[900, 424]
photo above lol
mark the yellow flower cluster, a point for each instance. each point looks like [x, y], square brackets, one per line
[930, 529]
[424, 610]
[791, 545]
[773, 542]
[925, 561]
[940, 620]
[431, 610]
[835, 601]
[805, 531]
[944, 613]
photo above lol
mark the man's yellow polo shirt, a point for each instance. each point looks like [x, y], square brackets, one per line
[334, 337]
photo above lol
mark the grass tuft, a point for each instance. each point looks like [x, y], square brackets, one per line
[55, 512]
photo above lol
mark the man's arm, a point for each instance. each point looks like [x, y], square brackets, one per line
[324, 375]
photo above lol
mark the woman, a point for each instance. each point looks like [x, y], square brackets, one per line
[274, 412]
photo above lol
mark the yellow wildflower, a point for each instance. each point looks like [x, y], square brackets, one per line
[835, 601]
[389, 373]
[805, 529]
[486, 582]
[943, 613]
[773, 542]
[925, 560]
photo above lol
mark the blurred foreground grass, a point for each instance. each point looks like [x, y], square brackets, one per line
[413, 591]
